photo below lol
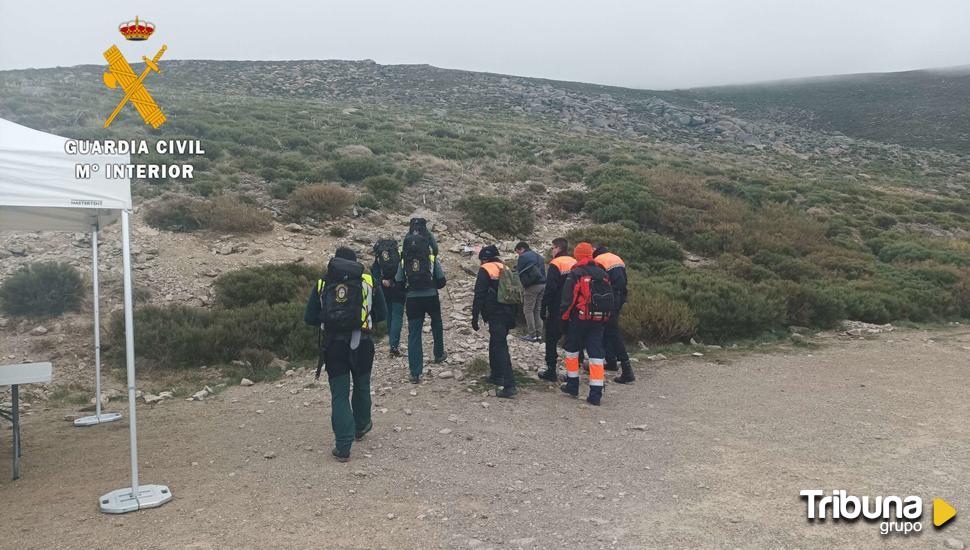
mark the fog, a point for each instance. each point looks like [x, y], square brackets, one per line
[651, 44]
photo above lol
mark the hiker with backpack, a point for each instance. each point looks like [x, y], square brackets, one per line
[387, 260]
[419, 226]
[498, 293]
[421, 276]
[612, 338]
[532, 273]
[346, 304]
[587, 304]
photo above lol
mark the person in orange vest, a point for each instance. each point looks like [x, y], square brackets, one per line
[612, 338]
[586, 303]
[500, 318]
[560, 266]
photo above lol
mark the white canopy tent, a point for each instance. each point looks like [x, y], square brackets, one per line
[39, 192]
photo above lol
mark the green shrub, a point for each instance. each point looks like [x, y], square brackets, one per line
[230, 214]
[357, 168]
[498, 215]
[537, 188]
[318, 201]
[384, 189]
[810, 305]
[571, 201]
[638, 249]
[655, 318]
[269, 284]
[42, 289]
[616, 201]
[175, 213]
[338, 231]
[178, 336]
[410, 175]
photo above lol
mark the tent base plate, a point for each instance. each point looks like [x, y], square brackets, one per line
[123, 501]
[95, 420]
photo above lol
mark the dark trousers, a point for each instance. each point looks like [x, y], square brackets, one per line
[395, 321]
[350, 412]
[417, 308]
[553, 335]
[499, 360]
[613, 342]
[586, 335]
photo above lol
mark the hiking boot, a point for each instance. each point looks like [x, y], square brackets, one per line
[626, 377]
[549, 375]
[595, 395]
[415, 379]
[506, 392]
[527, 338]
[360, 435]
[395, 352]
[439, 360]
[571, 387]
[340, 456]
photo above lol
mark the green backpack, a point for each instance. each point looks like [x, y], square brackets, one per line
[510, 288]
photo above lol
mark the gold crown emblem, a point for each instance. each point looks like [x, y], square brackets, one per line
[136, 30]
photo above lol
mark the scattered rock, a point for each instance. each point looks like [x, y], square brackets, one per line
[246, 382]
[445, 431]
[954, 544]
[293, 227]
[269, 455]
[656, 357]
[39, 330]
[446, 374]
[639, 427]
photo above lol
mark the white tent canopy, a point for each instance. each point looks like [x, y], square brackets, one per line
[39, 191]
[38, 188]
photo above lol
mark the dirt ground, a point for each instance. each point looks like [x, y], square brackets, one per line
[702, 452]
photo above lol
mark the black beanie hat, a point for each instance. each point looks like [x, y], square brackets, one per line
[489, 252]
[346, 253]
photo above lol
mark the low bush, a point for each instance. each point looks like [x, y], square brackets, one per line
[571, 201]
[42, 289]
[317, 201]
[384, 189]
[268, 284]
[638, 249]
[537, 188]
[616, 201]
[175, 213]
[657, 319]
[357, 168]
[178, 336]
[225, 213]
[498, 215]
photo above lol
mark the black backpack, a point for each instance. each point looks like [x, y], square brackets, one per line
[342, 296]
[419, 226]
[388, 258]
[418, 269]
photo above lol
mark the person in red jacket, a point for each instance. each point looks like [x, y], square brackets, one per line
[612, 339]
[582, 305]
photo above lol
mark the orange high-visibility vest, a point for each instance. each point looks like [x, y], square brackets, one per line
[608, 261]
[494, 269]
[563, 263]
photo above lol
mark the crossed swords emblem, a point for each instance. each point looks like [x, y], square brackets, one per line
[120, 72]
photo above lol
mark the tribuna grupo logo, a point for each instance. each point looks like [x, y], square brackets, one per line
[901, 515]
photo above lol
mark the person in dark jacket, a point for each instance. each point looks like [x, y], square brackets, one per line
[348, 355]
[500, 319]
[582, 333]
[420, 303]
[560, 266]
[394, 295]
[532, 273]
[612, 338]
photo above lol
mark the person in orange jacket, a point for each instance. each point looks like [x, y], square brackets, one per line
[500, 318]
[612, 338]
[586, 304]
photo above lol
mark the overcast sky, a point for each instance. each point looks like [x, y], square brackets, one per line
[644, 44]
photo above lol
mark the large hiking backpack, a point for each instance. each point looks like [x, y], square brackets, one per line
[419, 226]
[593, 298]
[416, 258]
[510, 290]
[388, 258]
[342, 296]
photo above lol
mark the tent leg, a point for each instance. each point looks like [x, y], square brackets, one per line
[137, 496]
[98, 418]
